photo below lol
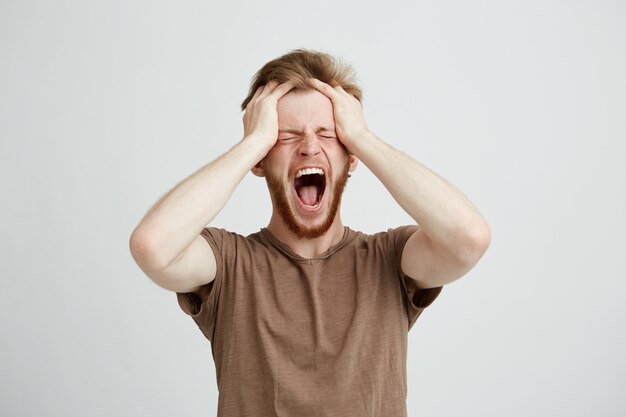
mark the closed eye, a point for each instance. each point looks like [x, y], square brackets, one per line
[329, 137]
[288, 138]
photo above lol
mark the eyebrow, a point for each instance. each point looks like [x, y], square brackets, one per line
[297, 131]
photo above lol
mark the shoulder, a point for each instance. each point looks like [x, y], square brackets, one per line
[392, 233]
[226, 240]
[221, 234]
[392, 239]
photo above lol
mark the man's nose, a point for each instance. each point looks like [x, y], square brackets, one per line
[310, 145]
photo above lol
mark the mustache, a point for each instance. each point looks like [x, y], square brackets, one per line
[280, 197]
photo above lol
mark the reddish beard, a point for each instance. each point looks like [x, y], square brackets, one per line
[281, 201]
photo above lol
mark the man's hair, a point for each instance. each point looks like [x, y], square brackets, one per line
[299, 64]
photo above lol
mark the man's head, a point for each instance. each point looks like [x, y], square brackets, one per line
[308, 167]
[300, 64]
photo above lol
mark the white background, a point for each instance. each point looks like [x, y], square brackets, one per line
[106, 105]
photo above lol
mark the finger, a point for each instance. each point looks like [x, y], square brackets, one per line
[282, 89]
[256, 95]
[269, 87]
[349, 96]
[323, 88]
[342, 91]
[261, 92]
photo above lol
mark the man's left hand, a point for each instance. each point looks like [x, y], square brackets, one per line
[347, 110]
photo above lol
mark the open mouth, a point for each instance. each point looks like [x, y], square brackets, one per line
[310, 184]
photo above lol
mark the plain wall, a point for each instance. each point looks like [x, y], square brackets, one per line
[106, 105]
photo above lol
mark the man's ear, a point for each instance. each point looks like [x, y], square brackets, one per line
[258, 169]
[354, 161]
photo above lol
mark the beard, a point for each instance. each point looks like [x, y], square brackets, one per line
[280, 196]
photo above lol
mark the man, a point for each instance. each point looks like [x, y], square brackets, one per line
[308, 317]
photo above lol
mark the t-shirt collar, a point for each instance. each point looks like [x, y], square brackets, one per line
[348, 235]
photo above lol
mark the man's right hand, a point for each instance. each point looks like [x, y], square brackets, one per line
[260, 118]
[167, 244]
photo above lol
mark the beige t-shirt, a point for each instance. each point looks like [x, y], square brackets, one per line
[296, 337]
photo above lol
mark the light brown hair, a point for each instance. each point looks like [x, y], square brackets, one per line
[299, 64]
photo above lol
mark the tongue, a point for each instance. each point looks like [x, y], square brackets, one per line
[308, 194]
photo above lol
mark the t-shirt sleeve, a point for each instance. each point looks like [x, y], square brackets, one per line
[417, 298]
[202, 304]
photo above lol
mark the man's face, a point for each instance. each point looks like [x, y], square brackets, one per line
[308, 167]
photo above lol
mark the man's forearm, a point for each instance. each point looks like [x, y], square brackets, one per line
[446, 216]
[178, 217]
[181, 214]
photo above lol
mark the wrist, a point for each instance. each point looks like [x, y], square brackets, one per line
[251, 145]
[257, 145]
[362, 142]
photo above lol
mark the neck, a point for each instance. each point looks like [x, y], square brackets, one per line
[304, 247]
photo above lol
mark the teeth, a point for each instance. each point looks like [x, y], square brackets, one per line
[309, 171]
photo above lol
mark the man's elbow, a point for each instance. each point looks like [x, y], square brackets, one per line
[141, 249]
[476, 245]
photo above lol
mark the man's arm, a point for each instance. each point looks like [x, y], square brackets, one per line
[167, 243]
[452, 235]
